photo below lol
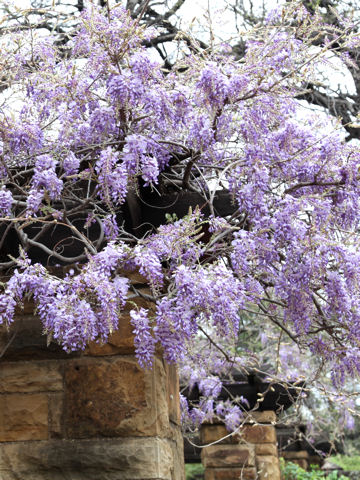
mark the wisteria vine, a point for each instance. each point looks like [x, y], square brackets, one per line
[88, 137]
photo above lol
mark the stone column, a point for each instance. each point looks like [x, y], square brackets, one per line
[94, 415]
[250, 454]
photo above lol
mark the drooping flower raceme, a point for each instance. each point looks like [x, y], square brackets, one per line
[6, 201]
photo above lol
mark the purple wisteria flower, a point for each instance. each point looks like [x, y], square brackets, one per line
[112, 177]
[45, 176]
[144, 339]
[34, 201]
[71, 164]
[6, 201]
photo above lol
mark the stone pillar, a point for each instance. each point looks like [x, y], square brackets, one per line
[94, 415]
[250, 454]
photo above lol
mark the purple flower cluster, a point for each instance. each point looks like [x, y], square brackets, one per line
[112, 177]
[110, 226]
[140, 157]
[144, 340]
[45, 179]
[6, 201]
[213, 85]
[176, 242]
[149, 265]
[24, 137]
[124, 89]
[34, 201]
[71, 164]
[76, 309]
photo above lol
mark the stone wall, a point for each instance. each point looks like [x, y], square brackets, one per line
[94, 415]
[250, 454]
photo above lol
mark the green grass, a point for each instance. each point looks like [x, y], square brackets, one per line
[347, 463]
[193, 469]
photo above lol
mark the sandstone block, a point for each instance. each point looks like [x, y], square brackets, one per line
[251, 433]
[30, 377]
[23, 417]
[134, 277]
[24, 340]
[295, 455]
[300, 458]
[172, 392]
[56, 408]
[259, 434]
[268, 416]
[268, 467]
[247, 473]
[177, 446]
[113, 396]
[213, 433]
[122, 340]
[228, 456]
[112, 459]
[266, 449]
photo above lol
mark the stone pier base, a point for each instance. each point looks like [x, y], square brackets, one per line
[90, 416]
[251, 454]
